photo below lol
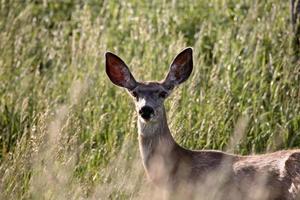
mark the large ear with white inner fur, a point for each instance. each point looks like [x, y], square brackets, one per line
[180, 69]
[118, 72]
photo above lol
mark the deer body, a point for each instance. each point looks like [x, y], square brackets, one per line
[274, 176]
[166, 163]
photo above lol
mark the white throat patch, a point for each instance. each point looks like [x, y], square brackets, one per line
[147, 128]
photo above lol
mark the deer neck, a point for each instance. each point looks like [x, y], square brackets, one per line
[157, 148]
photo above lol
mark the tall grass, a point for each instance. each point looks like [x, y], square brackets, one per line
[67, 133]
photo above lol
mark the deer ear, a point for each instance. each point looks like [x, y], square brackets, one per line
[180, 69]
[118, 72]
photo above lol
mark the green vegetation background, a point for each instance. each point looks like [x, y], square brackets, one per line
[67, 133]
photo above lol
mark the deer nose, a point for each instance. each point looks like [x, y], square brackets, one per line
[146, 112]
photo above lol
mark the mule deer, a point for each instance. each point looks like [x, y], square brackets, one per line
[173, 167]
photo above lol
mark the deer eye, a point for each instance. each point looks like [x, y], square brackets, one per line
[135, 95]
[163, 94]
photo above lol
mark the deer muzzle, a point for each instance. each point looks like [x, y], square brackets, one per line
[146, 112]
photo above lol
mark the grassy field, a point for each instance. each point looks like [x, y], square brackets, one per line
[67, 133]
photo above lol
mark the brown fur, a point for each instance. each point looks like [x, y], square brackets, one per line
[172, 166]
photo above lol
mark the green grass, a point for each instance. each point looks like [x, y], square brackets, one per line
[67, 133]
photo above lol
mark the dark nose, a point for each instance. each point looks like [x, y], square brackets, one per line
[146, 112]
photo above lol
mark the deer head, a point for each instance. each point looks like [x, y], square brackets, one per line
[149, 96]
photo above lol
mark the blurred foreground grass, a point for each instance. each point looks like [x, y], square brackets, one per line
[67, 133]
